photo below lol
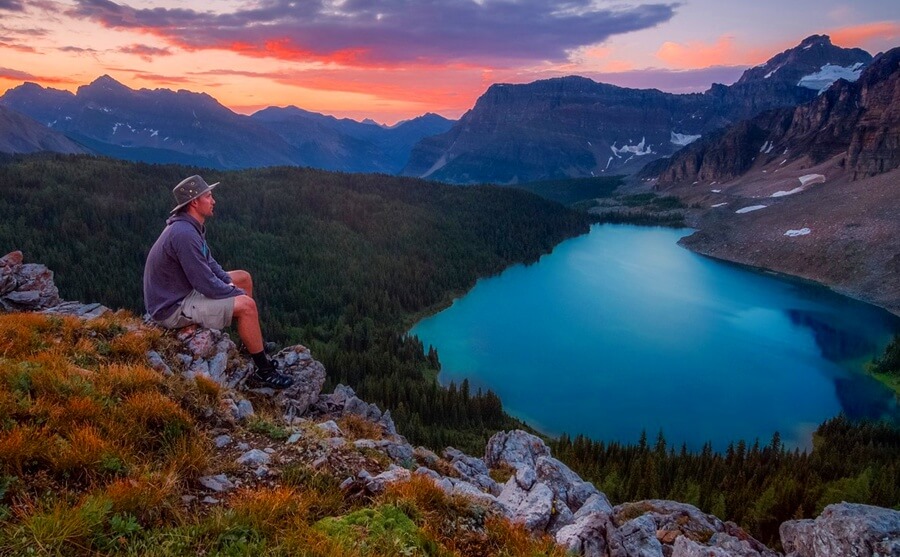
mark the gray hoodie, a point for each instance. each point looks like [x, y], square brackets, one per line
[179, 262]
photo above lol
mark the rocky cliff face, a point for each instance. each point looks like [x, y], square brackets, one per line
[859, 120]
[570, 127]
[542, 493]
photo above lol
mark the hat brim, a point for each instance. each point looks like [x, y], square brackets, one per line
[211, 186]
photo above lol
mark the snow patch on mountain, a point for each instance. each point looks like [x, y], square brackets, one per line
[828, 74]
[682, 139]
[798, 232]
[808, 179]
[636, 150]
[750, 208]
[767, 147]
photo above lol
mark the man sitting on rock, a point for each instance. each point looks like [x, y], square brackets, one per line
[183, 284]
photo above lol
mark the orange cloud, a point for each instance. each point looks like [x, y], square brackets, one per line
[878, 32]
[697, 54]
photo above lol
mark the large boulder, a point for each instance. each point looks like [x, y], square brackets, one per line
[844, 530]
[25, 286]
[538, 476]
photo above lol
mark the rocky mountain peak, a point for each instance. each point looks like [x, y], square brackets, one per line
[814, 55]
[104, 83]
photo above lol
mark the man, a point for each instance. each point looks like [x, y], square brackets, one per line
[183, 284]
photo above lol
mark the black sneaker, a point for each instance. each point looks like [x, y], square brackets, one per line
[269, 377]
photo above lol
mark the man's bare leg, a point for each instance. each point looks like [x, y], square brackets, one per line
[247, 317]
[242, 280]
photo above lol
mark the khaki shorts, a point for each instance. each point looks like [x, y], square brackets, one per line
[198, 309]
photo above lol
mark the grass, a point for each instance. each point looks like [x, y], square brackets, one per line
[97, 451]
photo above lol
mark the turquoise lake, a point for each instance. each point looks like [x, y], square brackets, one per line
[622, 330]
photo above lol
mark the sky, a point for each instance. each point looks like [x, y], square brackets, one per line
[391, 60]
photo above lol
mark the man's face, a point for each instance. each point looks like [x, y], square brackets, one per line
[205, 204]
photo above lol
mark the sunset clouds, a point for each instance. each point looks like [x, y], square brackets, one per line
[388, 32]
[395, 59]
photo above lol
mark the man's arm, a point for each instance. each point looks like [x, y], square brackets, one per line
[218, 270]
[203, 279]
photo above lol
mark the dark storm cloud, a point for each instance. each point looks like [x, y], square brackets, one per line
[390, 31]
[11, 6]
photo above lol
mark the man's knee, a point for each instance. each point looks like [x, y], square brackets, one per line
[244, 305]
[241, 279]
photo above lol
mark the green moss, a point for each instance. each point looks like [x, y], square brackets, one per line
[383, 530]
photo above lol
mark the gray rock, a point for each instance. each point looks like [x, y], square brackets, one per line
[217, 366]
[26, 287]
[535, 510]
[635, 538]
[222, 441]
[423, 471]
[197, 368]
[269, 450]
[566, 484]
[335, 442]
[330, 427]
[155, 361]
[587, 535]
[202, 344]
[426, 456]
[77, 309]
[253, 457]
[209, 500]
[294, 438]
[244, 409]
[308, 375]
[597, 503]
[525, 477]
[400, 453]
[844, 529]
[261, 472]
[377, 484]
[720, 545]
[186, 499]
[243, 446]
[514, 448]
[218, 483]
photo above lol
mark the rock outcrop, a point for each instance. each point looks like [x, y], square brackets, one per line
[844, 530]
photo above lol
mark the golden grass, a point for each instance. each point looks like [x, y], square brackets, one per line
[102, 448]
[356, 427]
[149, 497]
[23, 448]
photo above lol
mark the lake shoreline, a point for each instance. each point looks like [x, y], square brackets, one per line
[796, 305]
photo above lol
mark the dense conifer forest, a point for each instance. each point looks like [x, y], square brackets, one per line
[342, 262]
[345, 264]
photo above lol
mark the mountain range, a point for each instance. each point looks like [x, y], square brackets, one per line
[557, 128]
[575, 127]
[164, 126]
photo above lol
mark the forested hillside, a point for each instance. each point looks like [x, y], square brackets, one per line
[342, 262]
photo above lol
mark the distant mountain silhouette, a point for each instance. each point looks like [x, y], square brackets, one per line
[343, 144]
[163, 126]
[21, 134]
[575, 127]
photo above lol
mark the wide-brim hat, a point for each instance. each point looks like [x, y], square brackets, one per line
[190, 189]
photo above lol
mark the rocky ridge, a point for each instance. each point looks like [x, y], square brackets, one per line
[858, 120]
[541, 492]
